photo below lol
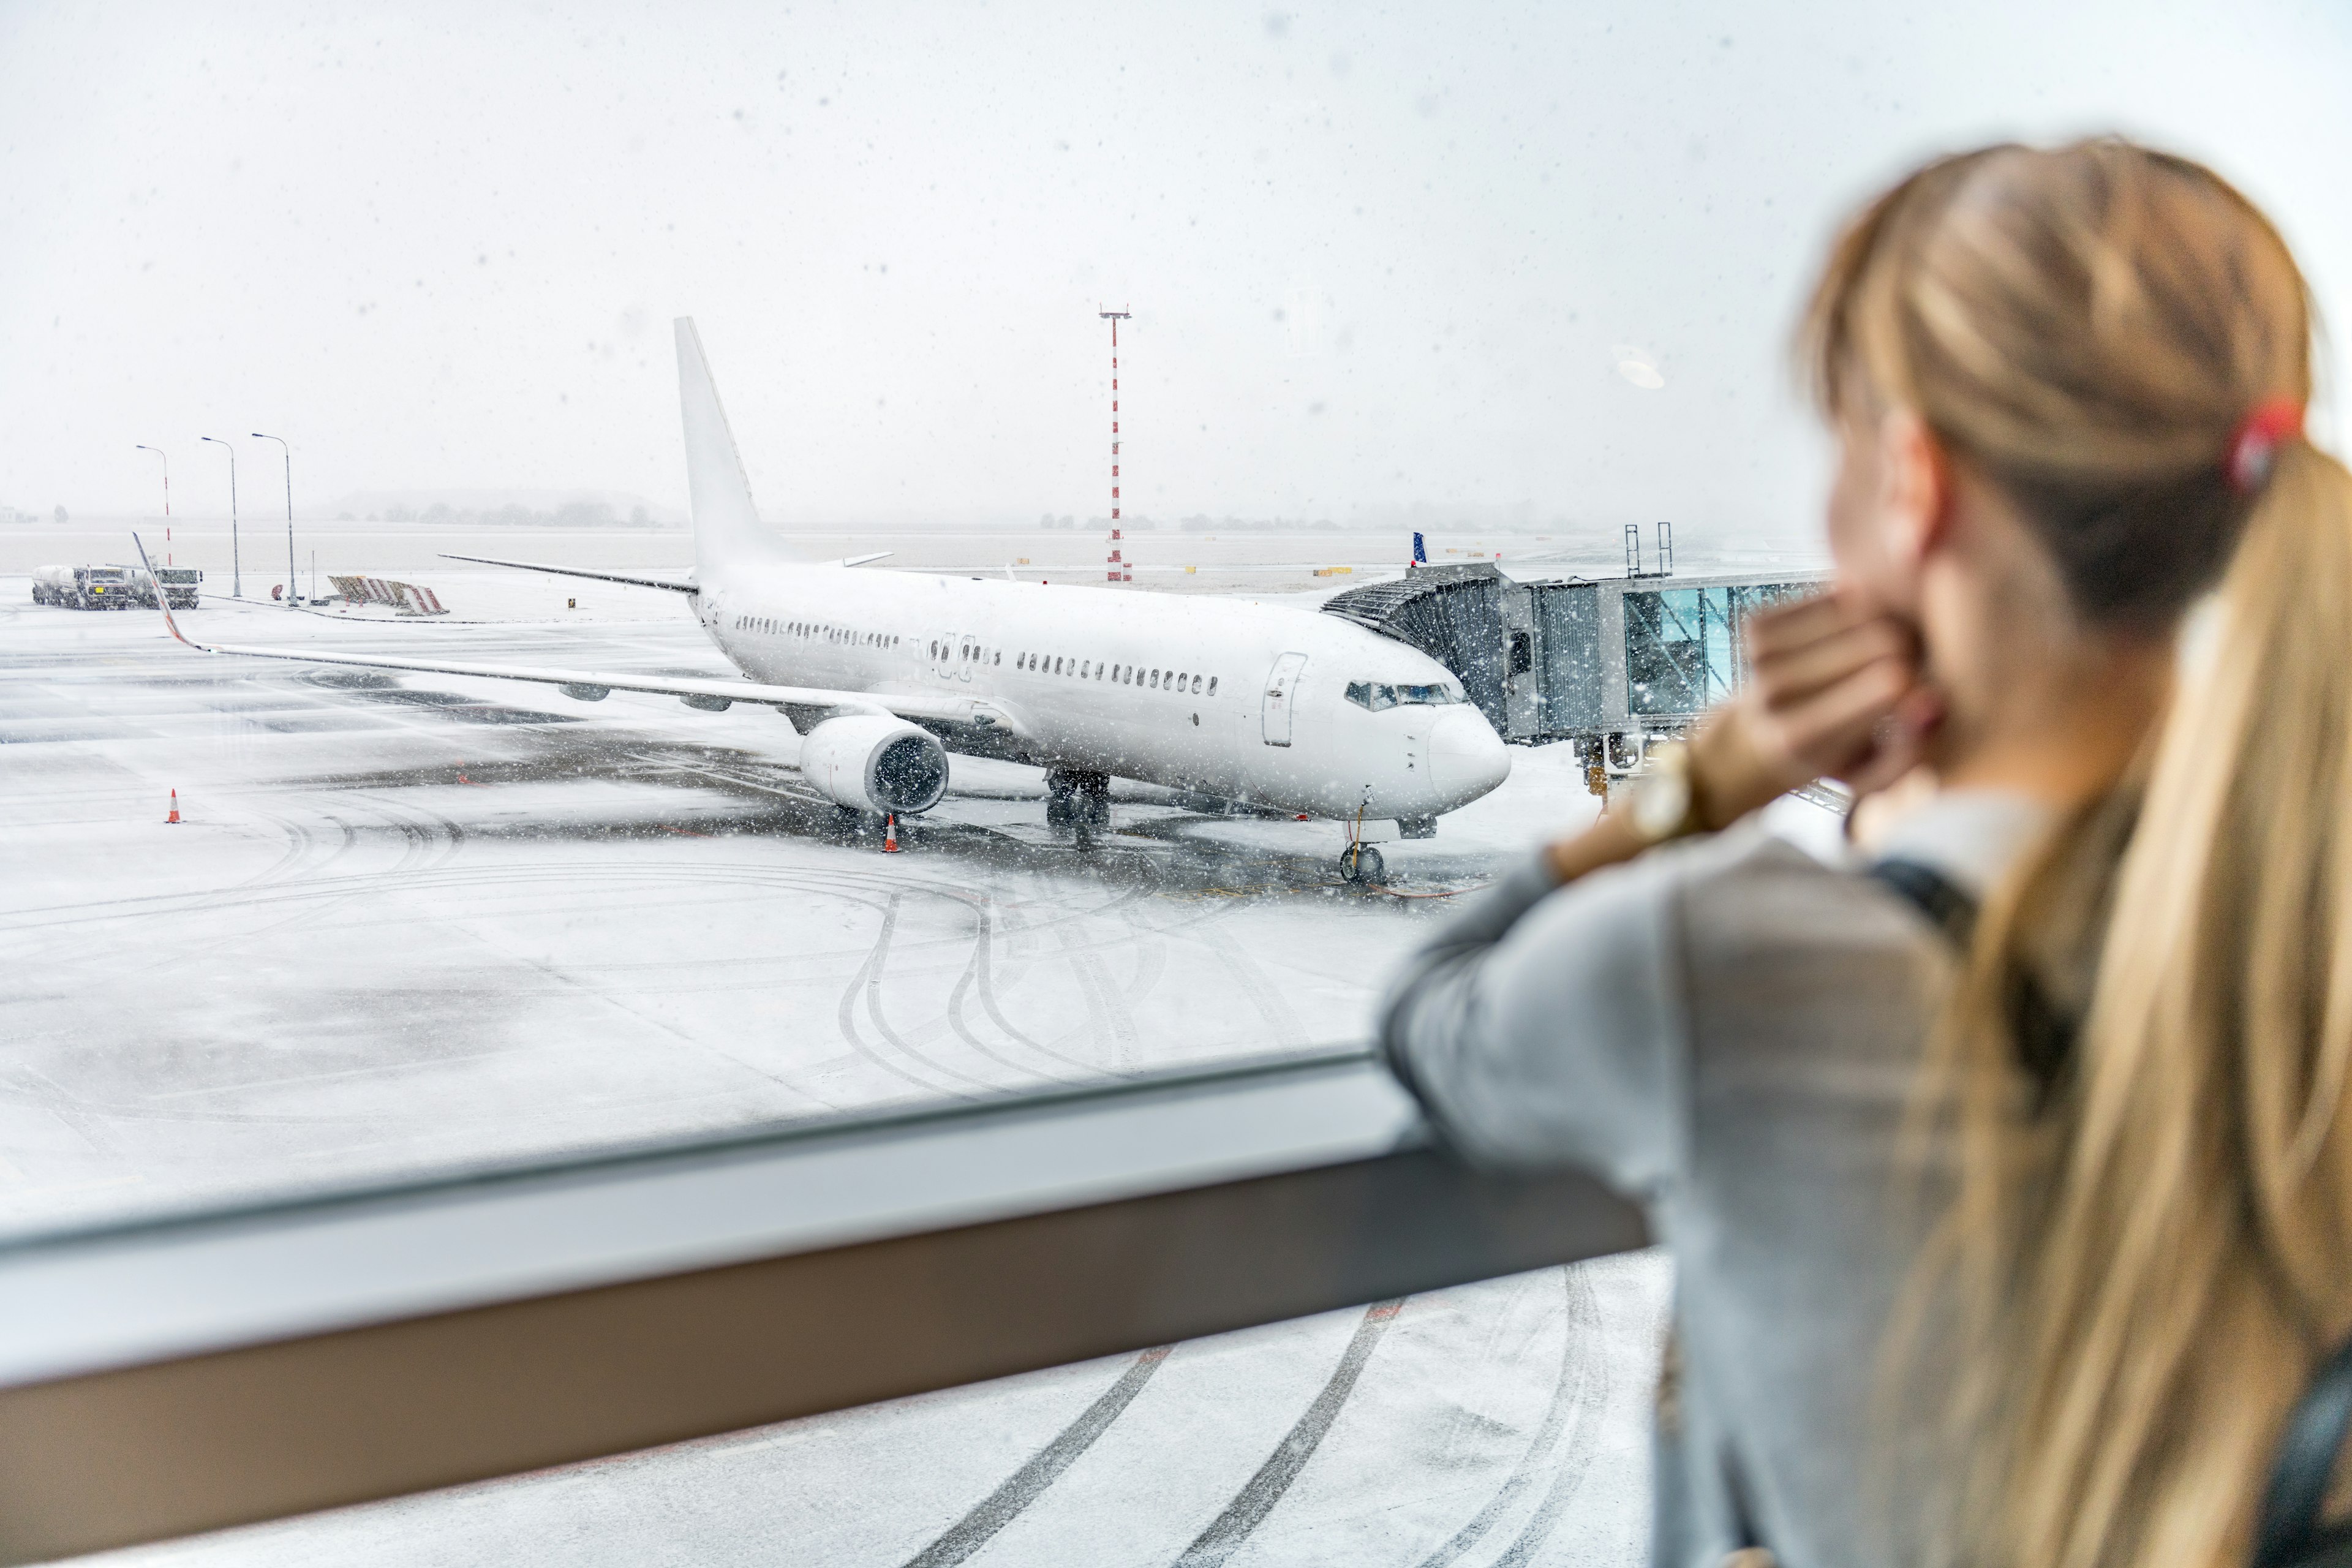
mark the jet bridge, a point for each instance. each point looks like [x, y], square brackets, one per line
[1608, 663]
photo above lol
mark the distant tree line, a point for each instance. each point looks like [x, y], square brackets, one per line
[572, 514]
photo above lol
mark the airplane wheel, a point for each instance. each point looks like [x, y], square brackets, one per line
[1361, 863]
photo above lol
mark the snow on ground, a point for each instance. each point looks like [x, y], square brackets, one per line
[414, 921]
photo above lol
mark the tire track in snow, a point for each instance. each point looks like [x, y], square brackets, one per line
[865, 987]
[1107, 1018]
[1574, 1461]
[1271, 1008]
[1229, 1529]
[1573, 1394]
[1028, 1483]
[979, 978]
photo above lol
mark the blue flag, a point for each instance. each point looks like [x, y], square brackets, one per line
[1420, 551]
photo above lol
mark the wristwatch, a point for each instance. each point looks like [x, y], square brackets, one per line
[1666, 801]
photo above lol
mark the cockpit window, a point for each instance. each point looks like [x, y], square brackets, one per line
[1377, 695]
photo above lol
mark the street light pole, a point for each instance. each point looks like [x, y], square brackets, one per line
[167, 499]
[293, 586]
[235, 562]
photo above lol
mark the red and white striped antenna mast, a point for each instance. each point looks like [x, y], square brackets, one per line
[1119, 571]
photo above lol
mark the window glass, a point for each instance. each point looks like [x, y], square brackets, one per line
[1376, 276]
[1683, 646]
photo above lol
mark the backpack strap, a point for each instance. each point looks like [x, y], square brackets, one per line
[2045, 1036]
[1948, 905]
[2292, 1532]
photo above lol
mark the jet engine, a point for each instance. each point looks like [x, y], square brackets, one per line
[871, 762]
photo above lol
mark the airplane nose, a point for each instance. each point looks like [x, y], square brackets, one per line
[1466, 758]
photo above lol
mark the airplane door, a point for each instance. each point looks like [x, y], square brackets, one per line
[1282, 695]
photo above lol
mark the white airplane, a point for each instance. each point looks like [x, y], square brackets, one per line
[884, 673]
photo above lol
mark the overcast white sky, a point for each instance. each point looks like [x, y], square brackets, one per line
[1377, 256]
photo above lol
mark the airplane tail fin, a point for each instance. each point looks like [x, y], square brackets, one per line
[726, 526]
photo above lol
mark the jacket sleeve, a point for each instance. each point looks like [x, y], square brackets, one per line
[1543, 1025]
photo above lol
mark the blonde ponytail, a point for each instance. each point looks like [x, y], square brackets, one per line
[2193, 1253]
[2146, 1250]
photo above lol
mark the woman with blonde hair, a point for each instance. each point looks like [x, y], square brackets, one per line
[2005, 1164]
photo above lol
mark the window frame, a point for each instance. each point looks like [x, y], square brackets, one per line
[205, 1370]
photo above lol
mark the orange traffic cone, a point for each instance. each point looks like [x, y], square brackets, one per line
[175, 808]
[890, 834]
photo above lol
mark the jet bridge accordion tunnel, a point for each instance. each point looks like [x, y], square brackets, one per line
[1609, 665]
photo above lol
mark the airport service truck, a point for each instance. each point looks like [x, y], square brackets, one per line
[114, 587]
[181, 584]
[85, 588]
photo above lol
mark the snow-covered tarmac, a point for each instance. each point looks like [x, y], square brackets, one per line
[409, 922]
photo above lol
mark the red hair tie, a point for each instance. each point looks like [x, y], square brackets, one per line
[2255, 442]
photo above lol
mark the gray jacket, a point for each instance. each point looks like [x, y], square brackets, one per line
[1730, 1029]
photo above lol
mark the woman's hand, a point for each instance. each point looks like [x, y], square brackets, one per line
[1833, 692]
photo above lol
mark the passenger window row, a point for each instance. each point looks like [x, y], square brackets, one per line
[776, 627]
[1124, 674]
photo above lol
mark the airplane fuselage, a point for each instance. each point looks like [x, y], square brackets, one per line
[1246, 701]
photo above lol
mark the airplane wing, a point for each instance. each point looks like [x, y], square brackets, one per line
[591, 684]
[675, 584]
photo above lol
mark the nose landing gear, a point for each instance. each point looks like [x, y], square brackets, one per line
[1361, 863]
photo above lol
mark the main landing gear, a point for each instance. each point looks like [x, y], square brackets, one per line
[1079, 801]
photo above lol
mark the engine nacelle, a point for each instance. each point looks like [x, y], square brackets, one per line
[871, 761]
